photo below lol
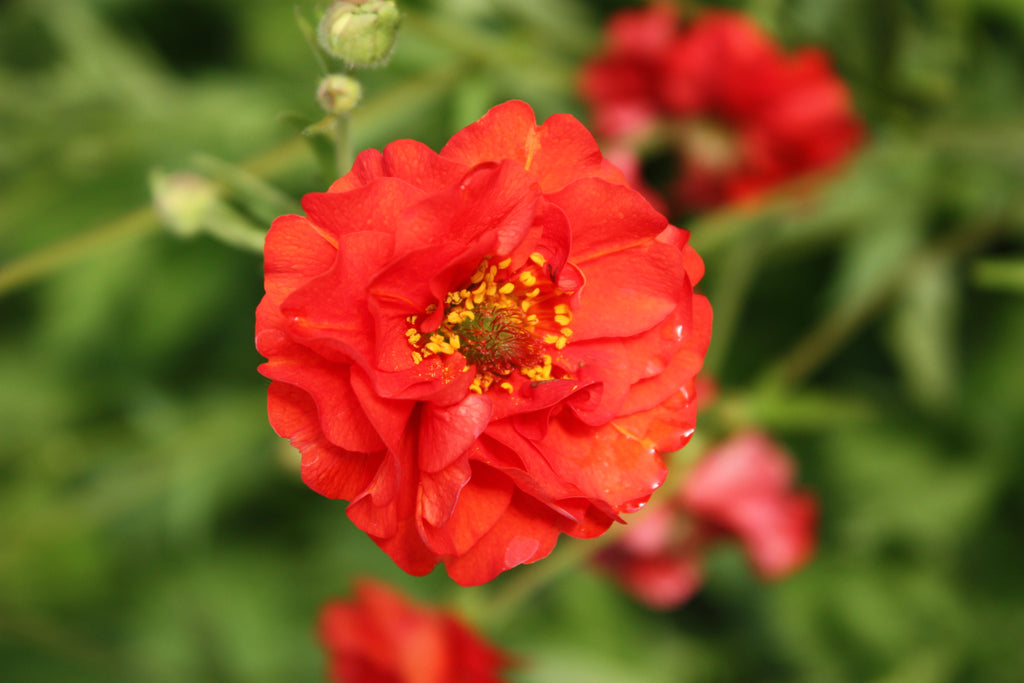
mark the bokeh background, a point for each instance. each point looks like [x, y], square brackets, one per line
[152, 526]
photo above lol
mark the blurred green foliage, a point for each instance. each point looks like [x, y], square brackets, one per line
[152, 527]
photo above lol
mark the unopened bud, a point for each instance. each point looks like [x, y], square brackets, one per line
[361, 33]
[183, 201]
[339, 94]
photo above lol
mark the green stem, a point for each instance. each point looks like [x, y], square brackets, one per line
[342, 145]
[732, 289]
[1005, 274]
[138, 223]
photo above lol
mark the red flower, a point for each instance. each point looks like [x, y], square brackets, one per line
[740, 116]
[379, 637]
[742, 489]
[482, 348]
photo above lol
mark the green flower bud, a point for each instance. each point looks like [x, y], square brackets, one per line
[361, 33]
[339, 94]
[183, 201]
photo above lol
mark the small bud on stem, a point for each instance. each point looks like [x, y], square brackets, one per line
[339, 94]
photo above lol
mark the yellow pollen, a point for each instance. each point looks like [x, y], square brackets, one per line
[491, 322]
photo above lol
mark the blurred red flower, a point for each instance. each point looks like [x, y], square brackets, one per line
[380, 637]
[482, 348]
[738, 115]
[743, 490]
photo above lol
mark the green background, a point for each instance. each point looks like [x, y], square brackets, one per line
[153, 528]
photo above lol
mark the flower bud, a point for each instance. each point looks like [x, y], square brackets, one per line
[183, 201]
[361, 33]
[339, 94]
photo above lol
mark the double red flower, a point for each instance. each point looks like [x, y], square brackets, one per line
[741, 490]
[482, 348]
[380, 637]
[737, 114]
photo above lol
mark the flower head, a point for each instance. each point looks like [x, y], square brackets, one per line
[737, 115]
[482, 348]
[741, 490]
[379, 636]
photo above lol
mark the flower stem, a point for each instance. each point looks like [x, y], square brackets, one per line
[733, 286]
[342, 145]
[138, 223]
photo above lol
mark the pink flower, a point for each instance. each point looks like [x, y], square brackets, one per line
[743, 490]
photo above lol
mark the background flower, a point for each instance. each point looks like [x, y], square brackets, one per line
[482, 348]
[380, 637]
[741, 490]
[736, 114]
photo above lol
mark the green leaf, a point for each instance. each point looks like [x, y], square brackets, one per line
[922, 334]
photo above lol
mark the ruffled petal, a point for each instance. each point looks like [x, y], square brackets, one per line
[327, 469]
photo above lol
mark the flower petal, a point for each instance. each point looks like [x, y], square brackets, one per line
[330, 471]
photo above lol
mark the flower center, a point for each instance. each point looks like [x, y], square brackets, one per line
[711, 144]
[502, 322]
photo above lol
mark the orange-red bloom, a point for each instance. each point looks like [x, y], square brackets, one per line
[738, 115]
[743, 490]
[482, 348]
[380, 637]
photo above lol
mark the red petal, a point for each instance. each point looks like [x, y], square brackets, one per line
[367, 167]
[341, 417]
[605, 464]
[556, 153]
[481, 504]
[524, 534]
[690, 343]
[415, 163]
[436, 499]
[333, 306]
[327, 469]
[498, 198]
[374, 208]
[629, 291]
[447, 432]
[606, 218]
[294, 252]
